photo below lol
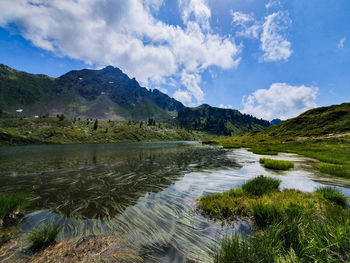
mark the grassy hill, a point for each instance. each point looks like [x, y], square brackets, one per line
[53, 130]
[321, 133]
[316, 122]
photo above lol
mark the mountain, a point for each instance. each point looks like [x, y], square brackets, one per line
[276, 121]
[321, 121]
[219, 121]
[102, 94]
[109, 94]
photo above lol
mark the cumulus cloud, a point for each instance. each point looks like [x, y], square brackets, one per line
[124, 33]
[196, 10]
[341, 42]
[270, 31]
[281, 101]
[183, 96]
[229, 106]
[273, 42]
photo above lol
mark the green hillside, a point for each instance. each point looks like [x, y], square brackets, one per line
[316, 122]
[321, 133]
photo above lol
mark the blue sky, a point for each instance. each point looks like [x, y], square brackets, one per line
[272, 59]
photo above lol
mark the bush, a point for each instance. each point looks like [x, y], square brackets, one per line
[333, 195]
[261, 185]
[266, 214]
[276, 164]
[44, 235]
[9, 204]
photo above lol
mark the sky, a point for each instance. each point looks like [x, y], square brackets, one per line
[268, 58]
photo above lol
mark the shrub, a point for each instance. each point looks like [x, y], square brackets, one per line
[333, 196]
[276, 164]
[266, 214]
[9, 204]
[261, 185]
[44, 235]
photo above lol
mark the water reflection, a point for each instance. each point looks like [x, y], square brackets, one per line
[100, 181]
[144, 194]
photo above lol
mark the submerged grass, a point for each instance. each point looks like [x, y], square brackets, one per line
[290, 226]
[276, 164]
[43, 236]
[11, 203]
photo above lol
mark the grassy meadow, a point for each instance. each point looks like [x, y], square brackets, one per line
[333, 153]
[16, 131]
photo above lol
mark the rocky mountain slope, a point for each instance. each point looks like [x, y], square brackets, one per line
[109, 94]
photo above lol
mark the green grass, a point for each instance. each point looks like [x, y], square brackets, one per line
[44, 235]
[276, 164]
[261, 185]
[263, 151]
[334, 196]
[11, 203]
[334, 153]
[290, 226]
[53, 131]
[336, 170]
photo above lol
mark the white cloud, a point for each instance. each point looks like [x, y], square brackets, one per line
[196, 10]
[124, 33]
[274, 43]
[342, 42]
[247, 23]
[273, 3]
[183, 96]
[229, 106]
[281, 101]
[275, 46]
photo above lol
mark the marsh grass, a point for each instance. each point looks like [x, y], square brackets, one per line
[336, 170]
[10, 204]
[267, 214]
[261, 185]
[334, 196]
[290, 226]
[263, 151]
[276, 164]
[44, 235]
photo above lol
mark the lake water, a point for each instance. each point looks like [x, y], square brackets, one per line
[143, 193]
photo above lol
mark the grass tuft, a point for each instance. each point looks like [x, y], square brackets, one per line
[333, 195]
[267, 214]
[43, 236]
[261, 185]
[276, 164]
[11, 203]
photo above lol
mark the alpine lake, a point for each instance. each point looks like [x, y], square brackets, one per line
[143, 194]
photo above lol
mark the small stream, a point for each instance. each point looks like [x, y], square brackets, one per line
[143, 193]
